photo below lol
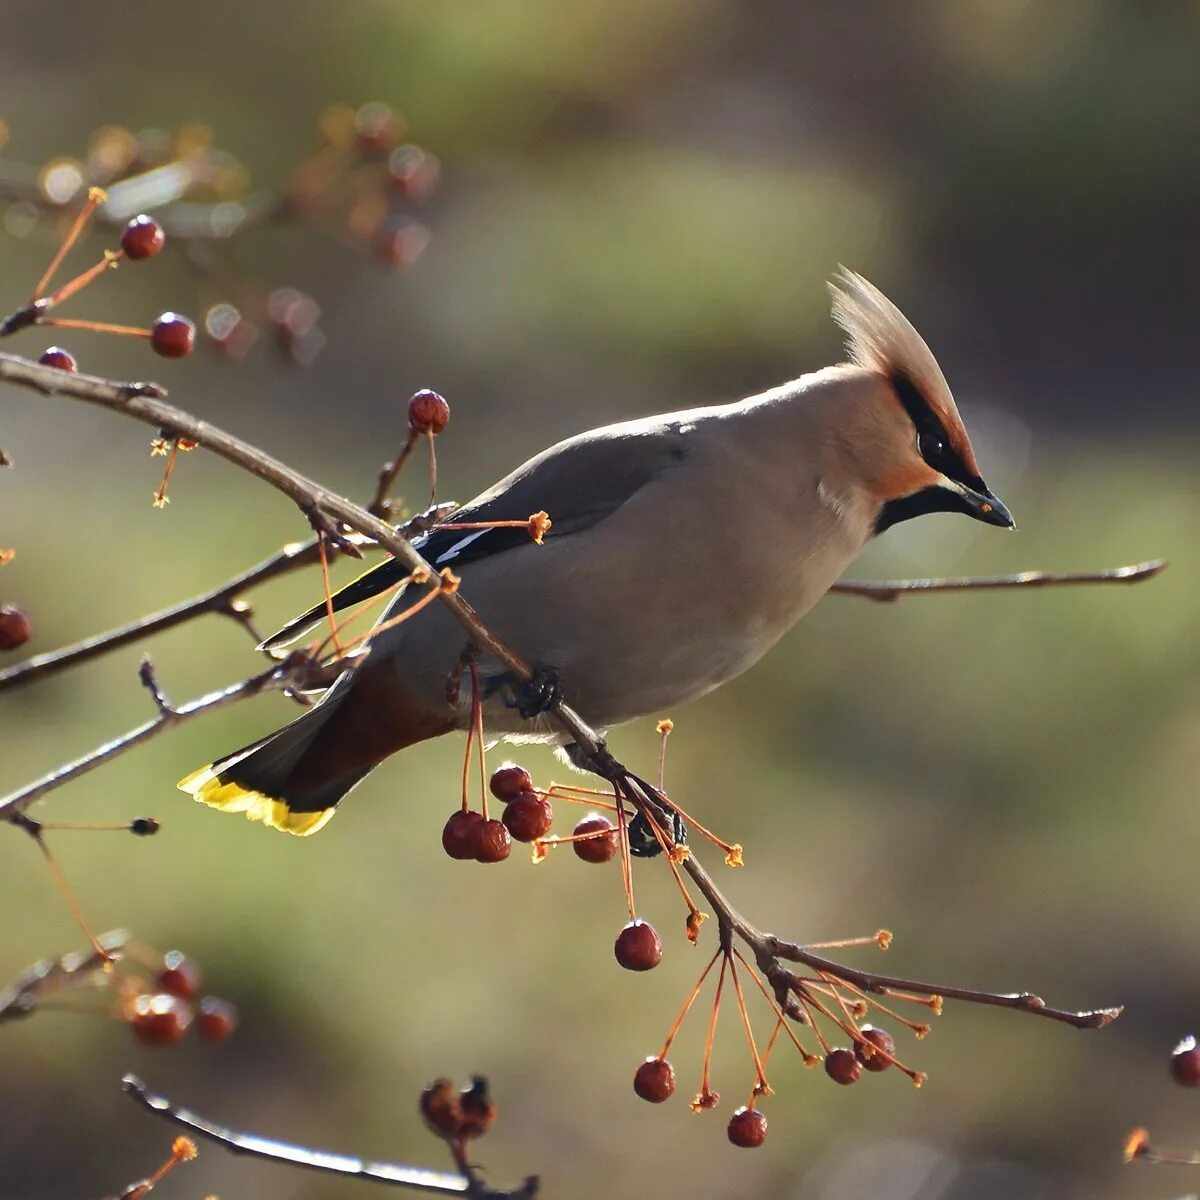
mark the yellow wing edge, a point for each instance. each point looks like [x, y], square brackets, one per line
[205, 787]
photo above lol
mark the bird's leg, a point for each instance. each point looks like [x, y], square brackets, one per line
[539, 694]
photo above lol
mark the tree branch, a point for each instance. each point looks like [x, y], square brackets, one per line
[393, 1174]
[144, 403]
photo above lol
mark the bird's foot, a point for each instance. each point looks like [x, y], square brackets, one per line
[643, 843]
[539, 694]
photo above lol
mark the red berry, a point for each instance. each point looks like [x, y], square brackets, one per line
[654, 1080]
[478, 1108]
[842, 1067]
[1185, 1062]
[376, 128]
[217, 1019]
[638, 947]
[413, 172]
[15, 627]
[172, 336]
[179, 976]
[528, 817]
[160, 1020]
[599, 849]
[143, 237]
[56, 356]
[400, 242]
[440, 1108]
[428, 412]
[458, 836]
[509, 781]
[880, 1038]
[492, 842]
[747, 1128]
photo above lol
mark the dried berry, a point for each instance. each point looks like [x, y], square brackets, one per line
[428, 412]
[143, 826]
[842, 1067]
[638, 947]
[172, 335]
[440, 1108]
[15, 627]
[880, 1038]
[159, 1020]
[747, 1128]
[492, 842]
[56, 356]
[143, 237]
[477, 1106]
[1185, 1063]
[458, 835]
[528, 817]
[508, 781]
[179, 976]
[654, 1080]
[216, 1019]
[600, 849]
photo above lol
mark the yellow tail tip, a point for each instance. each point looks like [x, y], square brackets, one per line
[206, 787]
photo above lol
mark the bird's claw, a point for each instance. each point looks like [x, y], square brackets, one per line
[539, 694]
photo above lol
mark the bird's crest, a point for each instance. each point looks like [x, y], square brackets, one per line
[881, 338]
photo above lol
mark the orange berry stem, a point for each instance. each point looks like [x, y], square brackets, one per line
[432, 469]
[920, 1028]
[882, 938]
[762, 1088]
[68, 895]
[95, 326]
[160, 493]
[730, 849]
[668, 846]
[809, 1059]
[338, 648]
[477, 720]
[711, 1035]
[449, 581]
[95, 197]
[107, 263]
[687, 1004]
[623, 845]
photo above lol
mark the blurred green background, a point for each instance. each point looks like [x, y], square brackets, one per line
[639, 206]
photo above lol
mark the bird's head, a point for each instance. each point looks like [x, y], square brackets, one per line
[905, 440]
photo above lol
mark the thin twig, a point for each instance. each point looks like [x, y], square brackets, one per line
[393, 1174]
[887, 590]
[280, 675]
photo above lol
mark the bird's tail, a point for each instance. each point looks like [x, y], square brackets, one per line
[294, 779]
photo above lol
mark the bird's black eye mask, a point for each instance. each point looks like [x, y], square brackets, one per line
[934, 446]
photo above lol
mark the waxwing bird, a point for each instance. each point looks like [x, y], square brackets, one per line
[682, 548]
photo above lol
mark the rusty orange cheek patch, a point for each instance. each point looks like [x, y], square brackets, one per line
[904, 480]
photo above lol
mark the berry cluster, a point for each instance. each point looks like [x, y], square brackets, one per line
[161, 1013]
[357, 183]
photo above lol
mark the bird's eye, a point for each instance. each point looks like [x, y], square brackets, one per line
[931, 447]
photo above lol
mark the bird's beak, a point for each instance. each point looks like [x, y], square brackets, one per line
[981, 504]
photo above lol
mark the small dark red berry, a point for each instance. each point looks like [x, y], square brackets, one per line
[56, 356]
[880, 1038]
[747, 1128]
[172, 335]
[413, 172]
[528, 817]
[179, 976]
[638, 947]
[376, 128]
[1185, 1063]
[440, 1108]
[15, 627]
[400, 242]
[160, 1020]
[654, 1080]
[842, 1067]
[508, 781]
[216, 1019]
[428, 412]
[492, 842]
[477, 1106]
[143, 237]
[143, 826]
[600, 849]
[458, 836]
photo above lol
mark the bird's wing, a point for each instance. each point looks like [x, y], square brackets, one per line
[578, 482]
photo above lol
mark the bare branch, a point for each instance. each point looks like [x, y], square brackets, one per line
[887, 590]
[280, 675]
[392, 1174]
